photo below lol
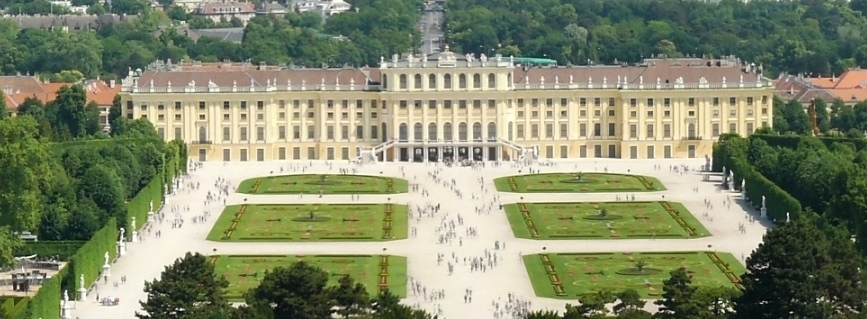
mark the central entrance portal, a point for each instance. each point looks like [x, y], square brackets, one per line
[448, 153]
[433, 154]
[462, 153]
[477, 154]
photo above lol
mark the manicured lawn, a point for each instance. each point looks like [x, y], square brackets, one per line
[624, 220]
[376, 272]
[569, 276]
[331, 222]
[569, 183]
[324, 184]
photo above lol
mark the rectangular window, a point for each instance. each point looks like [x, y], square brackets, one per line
[281, 153]
[178, 133]
[582, 130]
[447, 104]
[462, 104]
[311, 152]
[296, 132]
[296, 153]
[633, 102]
[260, 105]
[564, 102]
[311, 132]
[715, 129]
[750, 101]
[666, 102]
[243, 105]
[227, 136]
[716, 101]
[650, 132]
[477, 104]
[177, 106]
[281, 132]
[329, 132]
[520, 130]
[733, 101]
[649, 102]
[597, 129]
[597, 102]
[582, 101]
[492, 104]
[201, 105]
[611, 129]
[564, 130]
[227, 155]
[633, 131]
[733, 127]
[610, 101]
[243, 155]
[690, 101]
[243, 134]
[260, 133]
[534, 130]
[359, 132]
[666, 131]
[374, 132]
[344, 132]
[549, 130]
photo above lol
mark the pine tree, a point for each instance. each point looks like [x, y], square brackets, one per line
[678, 297]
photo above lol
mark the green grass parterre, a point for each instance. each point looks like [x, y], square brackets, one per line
[377, 272]
[338, 222]
[569, 183]
[324, 184]
[570, 276]
[581, 220]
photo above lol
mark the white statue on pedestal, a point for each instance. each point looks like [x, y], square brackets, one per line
[743, 185]
[763, 201]
[133, 224]
[788, 219]
[122, 232]
[65, 296]
[106, 258]
[151, 206]
[81, 281]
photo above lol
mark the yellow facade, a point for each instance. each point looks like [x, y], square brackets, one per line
[492, 109]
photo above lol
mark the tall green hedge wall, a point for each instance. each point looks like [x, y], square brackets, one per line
[778, 202]
[139, 206]
[90, 258]
[46, 302]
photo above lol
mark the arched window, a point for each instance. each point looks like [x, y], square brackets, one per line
[477, 131]
[384, 132]
[462, 131]
[477, 81]
[690, 130]
[447, 131]
[462, 81]
[417, 132]
[432, 81]
[492, 81]
[509, 80]
[403, 133]
[432, 131]
[492, 130]
[447, 81]
[403, 82]
[385, 81]
[203, 134]
[417, 82]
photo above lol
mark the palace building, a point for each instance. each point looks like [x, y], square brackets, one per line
[448, 106]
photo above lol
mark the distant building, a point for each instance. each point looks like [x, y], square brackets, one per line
[226, 11]
[234, 35]
[18, 88]
[268, 8]
[324, 8]
[850, 87]
[68, 5]
[68, 23]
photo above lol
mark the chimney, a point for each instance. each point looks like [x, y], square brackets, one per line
[111, 84]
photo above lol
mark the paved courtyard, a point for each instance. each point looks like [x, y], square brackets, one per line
[146, 259]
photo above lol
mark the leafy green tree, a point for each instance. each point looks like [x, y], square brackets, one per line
[629, 302]
[71, 114]
[789, 277]
[593, 305]
[350, 298]
[298, 291]
[823, 118]
[189, 288]
[678, 297]
[24, 160]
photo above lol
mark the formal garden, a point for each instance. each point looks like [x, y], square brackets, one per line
[375, 272]
[603, 220]
[311, 222]
[578, 182]
[572, 275]
[323, 184]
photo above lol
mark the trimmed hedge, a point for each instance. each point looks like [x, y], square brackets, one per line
[46, 302]
[90, 258]
[792, 141]
[778, 201]
[63, 250]
[139, 206]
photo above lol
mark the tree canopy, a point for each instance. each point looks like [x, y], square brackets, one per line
[818, 37]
